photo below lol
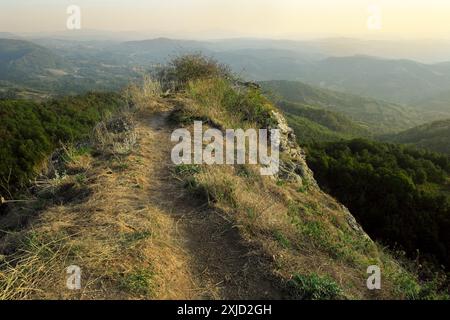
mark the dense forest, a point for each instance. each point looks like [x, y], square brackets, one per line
[434, 136]
[31, 130]
[401, 196]
[313, 124]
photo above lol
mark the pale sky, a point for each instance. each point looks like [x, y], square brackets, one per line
[222, 18]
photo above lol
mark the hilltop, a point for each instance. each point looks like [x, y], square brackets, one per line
[141, 227]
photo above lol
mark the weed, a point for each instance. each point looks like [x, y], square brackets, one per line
[186, 169]
[137, 282]
[315, 287]
[282, 240]
[136, 236]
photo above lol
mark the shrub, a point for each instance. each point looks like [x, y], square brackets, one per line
[190, 67]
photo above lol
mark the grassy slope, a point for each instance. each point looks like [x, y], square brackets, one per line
[304, 230]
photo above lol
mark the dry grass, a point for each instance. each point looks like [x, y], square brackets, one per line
[106, 141]
[144, 95]
[29, 271]
[93, 209]
[301, 230]
[138, 233]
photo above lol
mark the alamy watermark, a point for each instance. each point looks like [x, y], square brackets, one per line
[74, 20]
[229, 148]
[374, 280]
[374, 21]
[73, 281]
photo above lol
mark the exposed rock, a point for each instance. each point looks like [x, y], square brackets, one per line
[353, 223]
[294, 168]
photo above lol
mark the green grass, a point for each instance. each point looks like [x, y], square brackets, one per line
[315, 287]
[136, 236]
[282, 240]
[186, 169]
[137, 282]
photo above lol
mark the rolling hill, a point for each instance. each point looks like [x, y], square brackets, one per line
[23, 60]
[26, 67]
[315, 124]
[400, 81]
[434, 136]
[320, 63]
[374, 115]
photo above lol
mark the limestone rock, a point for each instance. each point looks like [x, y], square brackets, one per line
[294, 168]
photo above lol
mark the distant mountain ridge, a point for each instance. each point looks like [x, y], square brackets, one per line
[401, 81]
[23, 60]
[26, 67]
[70, 65]
[374, 115]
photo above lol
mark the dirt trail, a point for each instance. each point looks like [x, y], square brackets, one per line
[216, 261]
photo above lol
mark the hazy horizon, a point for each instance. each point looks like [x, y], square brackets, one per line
[201, 19]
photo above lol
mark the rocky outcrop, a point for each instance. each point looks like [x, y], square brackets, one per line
[293, 165]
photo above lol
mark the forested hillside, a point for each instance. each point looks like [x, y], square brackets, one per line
[434, 136]
[395, 80]
[400, 196]
[313, 124]
[31, 130]
[377, 116]
[21, 59]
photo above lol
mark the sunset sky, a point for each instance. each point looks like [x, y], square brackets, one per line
[234, 18]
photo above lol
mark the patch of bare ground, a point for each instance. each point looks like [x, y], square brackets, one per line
[135, 234]
[218, 262]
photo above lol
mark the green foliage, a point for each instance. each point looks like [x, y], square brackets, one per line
[434, 136]
[308, 131]
[30, 131]
[365, 113]
[187, 169]
[315, 287]
[332, 120]
[282, 240]
[218, 101]
[313, 124]
[383, 186]
[138, 282]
